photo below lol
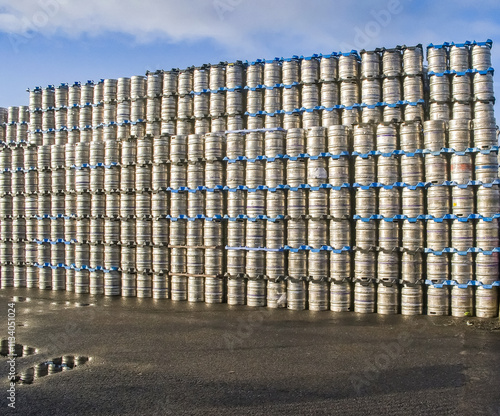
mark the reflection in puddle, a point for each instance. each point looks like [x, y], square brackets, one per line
[56, 365]
[18, 349]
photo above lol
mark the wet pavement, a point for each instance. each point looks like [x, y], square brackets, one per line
[152, 357]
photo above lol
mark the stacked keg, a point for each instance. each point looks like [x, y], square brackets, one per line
[336, 182]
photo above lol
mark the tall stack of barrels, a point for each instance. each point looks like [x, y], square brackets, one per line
[349, 181]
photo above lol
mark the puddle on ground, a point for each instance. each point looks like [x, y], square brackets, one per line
[20, 299]
[68, 303]
[19, 350]
[56, 365]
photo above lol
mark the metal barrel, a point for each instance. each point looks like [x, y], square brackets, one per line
[235, 174]
[112, 283]
[462, 110]
[317, 171]
[366, 202]
[486, 302]
[486, 167]
[309, 70]
[96, 282]
[255, 264]
[340, 296]
[363, 138]
[364, 265]
[236, 203]
[437, 59]
[255, 99]
[391, 62]
[411, 267]
[318, 265]
[19, 273]
[235, 145]
[387, 170]
[413, 88]
[143, 178]
[438, 300]
[275, 203]
[438, 267]
[370, 64]
[391, 89]
[328, 68]
[161, 286]
[168, 107]
[217, 104]
[272, 100]
[177, 232]
[461, 168]
[459, 58]
[459, 137]
[112, 204]
[318, 296]
[111, 179]
[481, 57]
[389, 203]
[129, 284]
[256, 292]
[329, 95]
[128, 255]
[410, 136]
[161, 231]
[364, 297]
[236, 265]
[439, 86]
[214, 290]
[462, 235]
[310, 95]
[462, 199]
[340, 233]
[296, 294]
[483, 86]
[387, 298]
[412, 202]
[388, 235]
[412, 302]
[144, 285]
[371, 114]
[234, 102]
[338, 139]
[159, 204]
[214, 174]
[486, 268]
[256, 203]
[296, 172]
[439, 111]
[348, 66]
[297, 203]
[144, 257]
[196, 289]
[437, 235]
[438, 201]
[329, 118]
[143, 230]
[170, 79]
[436, 168]
[338, 171]
[254, 144]
[364, 170]
[461, 268]
[318, 202]
[255, 74]
[214, 203]
[412, 169]
[413, 235]
[434, 135]
[484, 130]
[44, 279]
[127, 230]
[274, 143]
[112, 253]
[178, 175]
[487, 236]
[461, 87]
[276, 294]
[178, 204]
[349, 93]
[387, 137]
[366, 234]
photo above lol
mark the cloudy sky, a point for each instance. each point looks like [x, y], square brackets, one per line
[52, 41]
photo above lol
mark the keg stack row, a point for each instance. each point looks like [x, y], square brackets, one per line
[344, 181]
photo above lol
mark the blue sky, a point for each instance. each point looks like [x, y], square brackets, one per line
[52, 41]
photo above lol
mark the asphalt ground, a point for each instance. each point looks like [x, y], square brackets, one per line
[175, 358]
